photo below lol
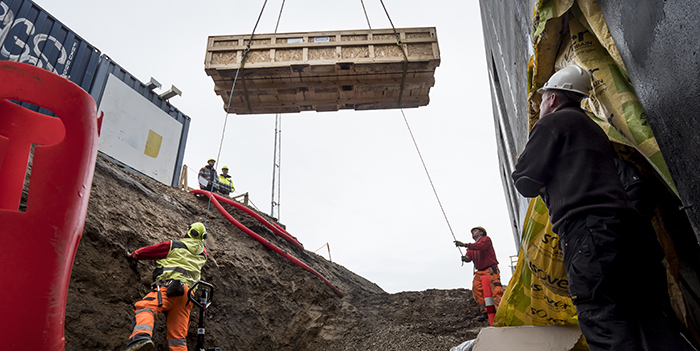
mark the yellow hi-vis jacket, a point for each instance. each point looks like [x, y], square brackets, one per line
[184, 261]
[226, 182]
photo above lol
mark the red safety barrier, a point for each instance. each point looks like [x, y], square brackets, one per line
[39, 244]
[272, 226]
[264, 241]
[488, 297]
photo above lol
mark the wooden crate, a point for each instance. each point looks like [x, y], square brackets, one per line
[324, 71]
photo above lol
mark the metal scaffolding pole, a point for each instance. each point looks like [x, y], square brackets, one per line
[277, 158]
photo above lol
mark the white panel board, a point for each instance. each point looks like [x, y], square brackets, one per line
[137, 133]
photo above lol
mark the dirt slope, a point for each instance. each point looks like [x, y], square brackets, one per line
[261, 302]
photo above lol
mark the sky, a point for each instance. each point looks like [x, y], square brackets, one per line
[349, 179]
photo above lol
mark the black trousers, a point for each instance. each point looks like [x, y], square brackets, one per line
[617, 282]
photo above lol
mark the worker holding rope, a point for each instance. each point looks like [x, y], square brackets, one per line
[481, 252]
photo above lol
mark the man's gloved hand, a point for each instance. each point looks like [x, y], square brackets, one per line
[130, 259]
[466, 259]
[459, 243]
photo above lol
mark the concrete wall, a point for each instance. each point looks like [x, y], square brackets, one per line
[658, 42]
[508, 42]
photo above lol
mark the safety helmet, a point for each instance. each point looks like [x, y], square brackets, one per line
[480, 228]
[224, 167]
[197, 231]
[570, 78]
[211, 159]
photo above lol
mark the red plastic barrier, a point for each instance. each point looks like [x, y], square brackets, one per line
[39, 245]
[272, 226]
[264, 241]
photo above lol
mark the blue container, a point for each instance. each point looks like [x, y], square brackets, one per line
[31, 35]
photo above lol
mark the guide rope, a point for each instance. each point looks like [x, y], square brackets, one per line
[403, 81]
[228, 106]
[429, 178]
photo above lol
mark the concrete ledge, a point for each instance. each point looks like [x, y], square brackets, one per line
[528, 338]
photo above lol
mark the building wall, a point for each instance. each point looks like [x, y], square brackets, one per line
[508, 43]
[662, 57]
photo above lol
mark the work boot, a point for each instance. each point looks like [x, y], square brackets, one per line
[140, 345]
[483, 316]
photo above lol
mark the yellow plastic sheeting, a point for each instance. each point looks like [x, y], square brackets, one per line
[538, 293]
[580, 36]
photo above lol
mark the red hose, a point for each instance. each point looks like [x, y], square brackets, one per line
[272, 226]
[264, 241]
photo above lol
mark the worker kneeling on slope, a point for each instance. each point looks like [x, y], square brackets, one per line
[484, 257]
[178, 266]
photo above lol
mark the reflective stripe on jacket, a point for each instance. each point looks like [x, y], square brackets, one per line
[226, 182]
[184, 261]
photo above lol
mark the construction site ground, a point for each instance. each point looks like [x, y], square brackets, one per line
[262, 301]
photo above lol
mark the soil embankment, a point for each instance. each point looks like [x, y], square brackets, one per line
[261, 302]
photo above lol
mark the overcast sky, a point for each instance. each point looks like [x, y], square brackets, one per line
[352, 179]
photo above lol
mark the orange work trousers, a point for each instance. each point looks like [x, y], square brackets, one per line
[178, 318]
[496, 287]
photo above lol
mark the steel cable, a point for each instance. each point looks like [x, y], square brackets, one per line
[228, 106]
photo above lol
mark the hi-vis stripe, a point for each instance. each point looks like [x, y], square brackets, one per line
[143, 327]
[145, 310]
[177, 342]
[177, 269]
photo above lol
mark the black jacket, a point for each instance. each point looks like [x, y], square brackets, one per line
[570, 155]
[209, 173]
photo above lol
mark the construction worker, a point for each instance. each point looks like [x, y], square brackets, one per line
[611, 255]
[178, 267]
[485, 263]
[207, 175]
[225, 183]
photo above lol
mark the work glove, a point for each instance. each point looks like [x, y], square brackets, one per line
[459, 243]
[130, 259]
[466, 259]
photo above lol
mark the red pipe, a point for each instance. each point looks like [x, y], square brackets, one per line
[264, 241]
[272, 226]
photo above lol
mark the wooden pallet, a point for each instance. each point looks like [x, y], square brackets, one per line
[324, 71]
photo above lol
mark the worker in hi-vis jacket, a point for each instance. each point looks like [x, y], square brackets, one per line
[178, 266]
[225, 183]
[485, 263]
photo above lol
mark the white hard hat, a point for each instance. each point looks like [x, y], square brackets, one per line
[570, 78]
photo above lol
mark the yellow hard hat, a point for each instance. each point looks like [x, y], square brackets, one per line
[224, 167]
[197, 231]
[211, 159]
[480, 228]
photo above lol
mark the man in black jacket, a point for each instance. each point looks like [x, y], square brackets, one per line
[611, 256]
[207, 175]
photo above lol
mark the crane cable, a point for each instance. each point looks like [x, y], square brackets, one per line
[405, 68]
[367, 17]
[228, 106]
